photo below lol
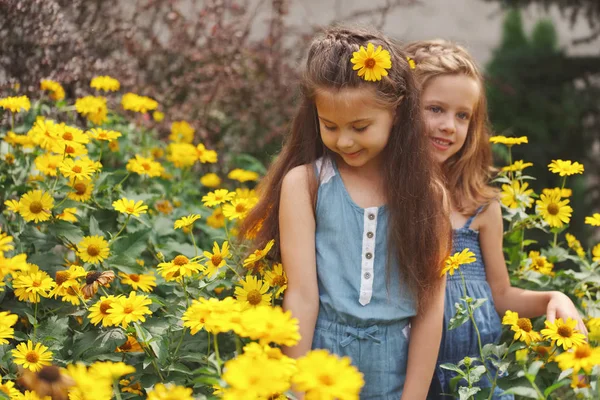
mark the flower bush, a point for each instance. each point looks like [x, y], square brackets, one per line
[537, 359]
[121, 274]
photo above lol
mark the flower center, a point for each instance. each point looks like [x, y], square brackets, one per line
[49, 374]
[540, 262]
[36, 284]
[553, 209]
[68, 136]
[370, 63]
[525, 324]
[36, 207]
[134, 277]
[32, 357]
[76, 169]
[565, 331]
[129, 210]
[146, 166]
[254, 297]
[180, 260]
[278, 280]
[93, 250]
[216, 260]
[128, 309]
[80, 188]
[104, 307]
[583, 351]
[240, 208]
[326, 380]
[62, 277]
[126, 346]
[70, 150]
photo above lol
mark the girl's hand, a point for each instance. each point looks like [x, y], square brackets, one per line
[561, 306]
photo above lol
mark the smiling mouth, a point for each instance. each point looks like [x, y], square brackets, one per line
[441, 143]
[352, 154]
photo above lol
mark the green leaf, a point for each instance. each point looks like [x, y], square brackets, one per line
[67, 230]
[494, 349]
[476, 373]
[557, 385]
[460, 318]
[53, 332]
[534, 368]
[41, 241]
[478, 303]
[523, 391]
[95, 227]
[465, 393]
[453, 367]
[133, 244]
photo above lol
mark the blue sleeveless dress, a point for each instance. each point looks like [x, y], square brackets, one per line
[364, 310]
[462, 341]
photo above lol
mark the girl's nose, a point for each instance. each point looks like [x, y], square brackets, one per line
[448, 125]
[344, 141]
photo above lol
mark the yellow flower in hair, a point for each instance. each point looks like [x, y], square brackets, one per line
[411, 63]
[371, 63]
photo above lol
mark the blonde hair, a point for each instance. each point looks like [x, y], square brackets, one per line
[468, 171]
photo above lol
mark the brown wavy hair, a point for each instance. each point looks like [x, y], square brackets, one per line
[468, 172]
[419, 230]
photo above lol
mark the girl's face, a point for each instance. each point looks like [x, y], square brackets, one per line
[448, 105]
[353, 125]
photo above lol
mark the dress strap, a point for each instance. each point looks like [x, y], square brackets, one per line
[472, 217]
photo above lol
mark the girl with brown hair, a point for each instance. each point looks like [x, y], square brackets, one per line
[455, 111]
[356, 207]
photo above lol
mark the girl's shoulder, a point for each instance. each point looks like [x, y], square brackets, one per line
[299, 177]
[489, 216]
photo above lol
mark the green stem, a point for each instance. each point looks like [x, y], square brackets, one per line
[35, 309]
[217, 355]
[555, 239]
[116, 389]
[180, 341]
[123, 227]
[150, 354]
[494, 382]
[564, 182]
[120, 183]
[193, 242]
[12, 121]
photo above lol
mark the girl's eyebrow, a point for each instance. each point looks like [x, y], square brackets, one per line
[351, 122]
[442, 103]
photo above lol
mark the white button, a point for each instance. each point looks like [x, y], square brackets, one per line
[369, 256]
[371, 217]
[370, 235]
[367, 275]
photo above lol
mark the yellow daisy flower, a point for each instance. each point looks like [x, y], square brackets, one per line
[563, 333]
[509, 141]
[277, 278]
[253, 292]
[47, 164]
[130, 207]
[57, 92]
[182, 155]
[164, 207]
[270, 325]
[77, 169]
[143, 282]
[519, 165]
[35, 206]
[564, 192]
[32, 357]
[29, 286]
[210, 180]
[216, 219]
[131, 387]
[565, 168]
[144, 166]
[110, 370]
[7, 320]
[158, 116]
[539, 263]
[5, 242]
[82, 190]
[327, 376]
[93, 108]
[596, 253]
[522, 327]
[245, 381]
[93, 249]
[259, 254]
[125, 310]
[575, 245]
[105, 83]
[141, 104]
[181, 131]
[99, 311]
[242, 175]
[206, 156]
[180, 267]
[213, 315]
[594, 220]
[12, 205]
[371, 63]
[556, 212]
[15, 104]
[216, 259]
[130, 346]
[170, 392]
[217, 197]
[454, 261]
[515, 194]
[581, 357]
[103, 134]
[186, 222]
[69, 214]
[238, 208]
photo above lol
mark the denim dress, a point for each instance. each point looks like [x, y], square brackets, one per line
[364, 310]
[462, 341]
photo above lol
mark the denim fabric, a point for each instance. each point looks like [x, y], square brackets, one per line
[462, 341]
[364, 309]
